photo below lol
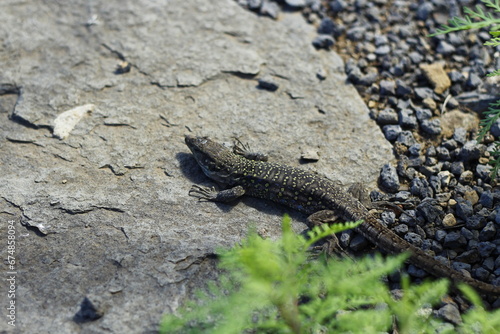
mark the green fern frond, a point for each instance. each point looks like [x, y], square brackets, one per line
[495, 5]
[322, 231]
[495, 160]
[493, 42]
[489, 118]
[494, 73]
[472, 20]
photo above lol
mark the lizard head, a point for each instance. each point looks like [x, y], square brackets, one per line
[214, 159]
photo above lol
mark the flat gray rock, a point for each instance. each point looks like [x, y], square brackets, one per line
[107, 237]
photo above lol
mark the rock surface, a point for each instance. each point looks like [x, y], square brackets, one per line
[107, 239]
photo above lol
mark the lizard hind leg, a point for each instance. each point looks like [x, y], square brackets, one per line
[332, 245]
[323, 217]
[359, 192]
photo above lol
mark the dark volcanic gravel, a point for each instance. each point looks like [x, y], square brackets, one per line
[425, 93]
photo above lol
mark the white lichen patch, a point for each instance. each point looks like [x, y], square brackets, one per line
[65, 122]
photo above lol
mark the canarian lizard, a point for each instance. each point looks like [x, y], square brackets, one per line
[306, 192]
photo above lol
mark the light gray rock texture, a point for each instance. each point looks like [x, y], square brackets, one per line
[103, 216]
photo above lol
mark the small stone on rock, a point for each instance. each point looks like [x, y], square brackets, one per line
[460, 135]
[323, 42]
[267, 84]
[310, 155]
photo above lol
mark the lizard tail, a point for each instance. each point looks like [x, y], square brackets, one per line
[390, 242]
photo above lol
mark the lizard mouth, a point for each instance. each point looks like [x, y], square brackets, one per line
[193, 141]
[189, 140]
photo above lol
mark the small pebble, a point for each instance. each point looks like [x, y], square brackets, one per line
[449, 220]
[424, 10]
[310, 155]
[406, 138]
[445, 48]
[387, 87]
[485, 248]
[323, 42]
[423, 114]
[326, 27]
[413, 239]
[473, 81]
[429, 103]
[431, 126]
[402, 89]
[449, 313]
[270, 9]
[460, 135]
[495, 128]
[389, 178]
[463, 208]
[488, 232]
[387, 116]
[454, 240]
[471, 151]
[267, 84]
[486, 199]
[456, 76]
[382, 50]
[437, 76]
[407, 119]
[356, 33]
[391, 132]
[423, 92]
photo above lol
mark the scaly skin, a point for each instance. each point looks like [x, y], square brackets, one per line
[308, 193]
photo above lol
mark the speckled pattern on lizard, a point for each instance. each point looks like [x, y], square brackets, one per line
[306, 192]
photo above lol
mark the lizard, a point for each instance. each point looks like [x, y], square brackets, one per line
[306, 192]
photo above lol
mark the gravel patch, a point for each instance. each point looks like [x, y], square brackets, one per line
[425, 94]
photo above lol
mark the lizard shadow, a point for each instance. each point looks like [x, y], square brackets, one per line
[192, 171]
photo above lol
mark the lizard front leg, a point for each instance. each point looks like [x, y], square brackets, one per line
[210, 194]
[244, 150]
